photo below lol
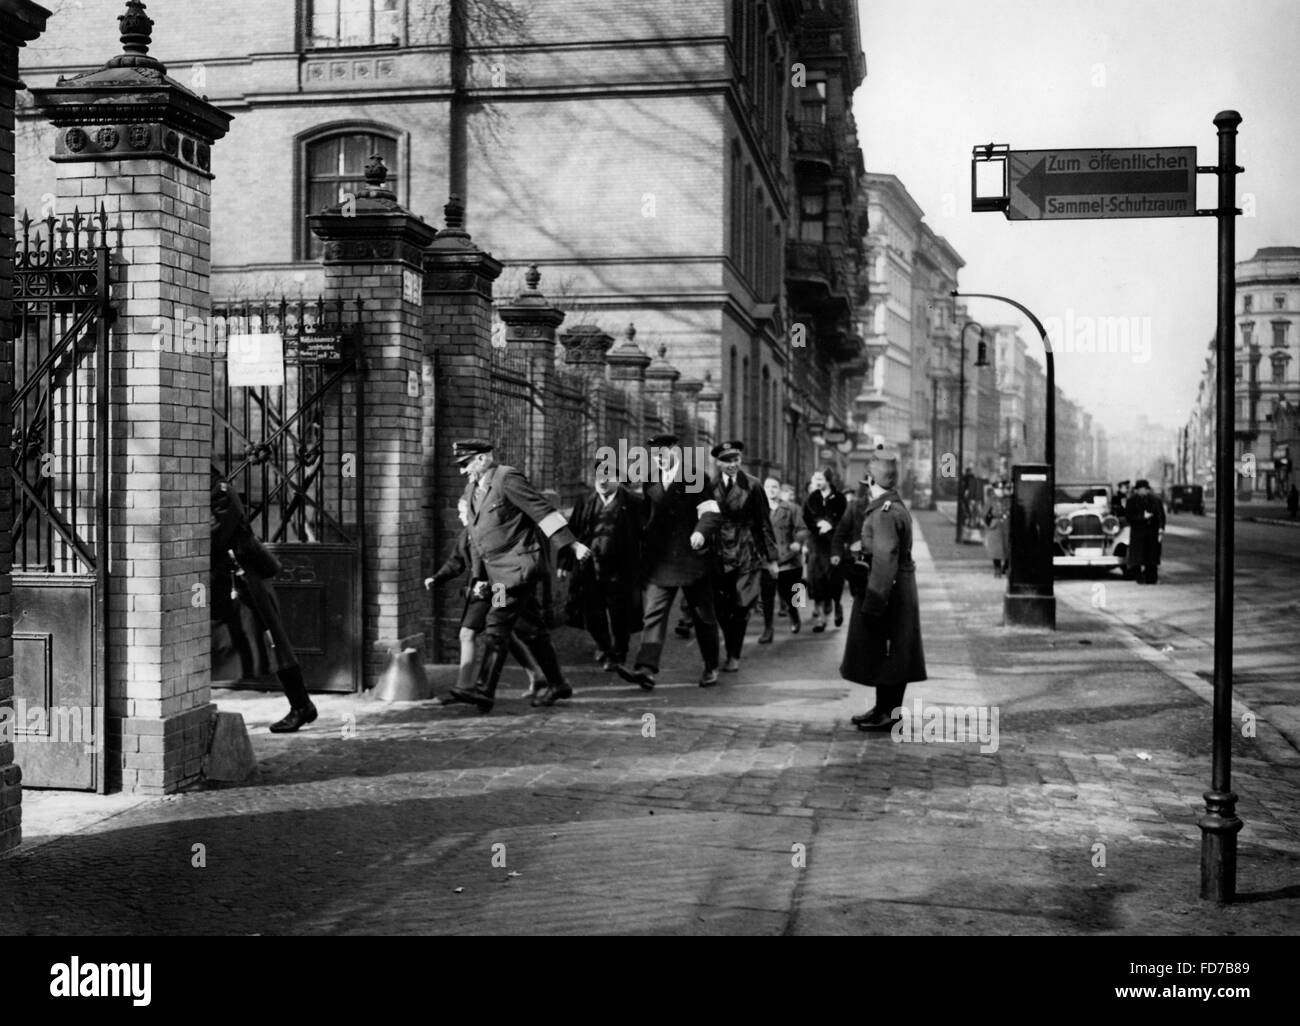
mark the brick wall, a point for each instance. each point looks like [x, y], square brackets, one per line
[159, 708]
[457, 404]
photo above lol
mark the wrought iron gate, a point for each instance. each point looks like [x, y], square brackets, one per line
[60, 480]
[295, 454]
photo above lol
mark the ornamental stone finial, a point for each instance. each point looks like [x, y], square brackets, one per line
[136, 28]
[532, 278]
[376, 172]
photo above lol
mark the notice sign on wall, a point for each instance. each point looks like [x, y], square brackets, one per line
[253, 361]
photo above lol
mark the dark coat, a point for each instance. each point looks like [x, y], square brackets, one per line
[788, 529]
[509, 526]
[746, 542]
[257, 612]
[1146, 518]
[670, 516]
[848, 532]
[824, 581]
[614, 535]
[463, 559]
[997, 521]
[884, 647]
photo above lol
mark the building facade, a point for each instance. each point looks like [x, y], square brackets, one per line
[1267, 368]
[691, 169]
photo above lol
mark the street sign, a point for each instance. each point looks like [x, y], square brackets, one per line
[302, 349]
[1057, 185]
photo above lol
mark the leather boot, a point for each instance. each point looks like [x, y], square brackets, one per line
[556, 687]
[483, 693]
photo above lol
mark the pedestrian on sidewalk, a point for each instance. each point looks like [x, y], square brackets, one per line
[680, 520]
[997, 524]
[746, 552]
[790, 535]
[605, 591]
[473, 619]
[822, 511]
[1146, 530]
[846, 544]
[509, 523]
[884, 648]
[244, 600]
[1119, 501]
[1293, 501]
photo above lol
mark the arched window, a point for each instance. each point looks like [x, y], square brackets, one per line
[334, 166]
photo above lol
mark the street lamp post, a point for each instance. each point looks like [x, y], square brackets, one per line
[1031, 599]
[961, 419]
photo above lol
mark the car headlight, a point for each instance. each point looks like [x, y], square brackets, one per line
[1111, 526]
[1064, 525]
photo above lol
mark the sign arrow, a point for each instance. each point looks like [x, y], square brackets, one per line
[1038, 184]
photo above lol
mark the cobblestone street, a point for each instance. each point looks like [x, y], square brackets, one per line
[419, 820]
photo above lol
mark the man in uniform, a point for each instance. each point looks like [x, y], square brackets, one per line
[746, 548]
[608, 521]
[788, 530]
[884, 648]
[509, 522]
[678, 525]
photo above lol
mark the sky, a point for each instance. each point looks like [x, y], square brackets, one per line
[946, 75]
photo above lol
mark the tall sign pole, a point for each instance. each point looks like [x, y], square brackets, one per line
[1220, 825]
[1053, 185]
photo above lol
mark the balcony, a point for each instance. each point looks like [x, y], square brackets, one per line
[812, 144]
[810, 267]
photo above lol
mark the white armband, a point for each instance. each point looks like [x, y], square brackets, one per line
[552, 522]
[707, 507]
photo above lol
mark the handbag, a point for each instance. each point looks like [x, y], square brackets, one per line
[255, 557]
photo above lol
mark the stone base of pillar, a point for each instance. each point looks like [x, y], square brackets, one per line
[11, 809]
[1029, 611]
[384, 651]
[148, 756]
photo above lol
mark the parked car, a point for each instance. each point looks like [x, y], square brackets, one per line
[1087, 534]
[1187, 497]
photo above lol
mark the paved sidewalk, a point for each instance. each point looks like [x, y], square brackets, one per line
[750, 808]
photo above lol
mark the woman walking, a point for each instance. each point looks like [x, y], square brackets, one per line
[244, 600]
[822, 511]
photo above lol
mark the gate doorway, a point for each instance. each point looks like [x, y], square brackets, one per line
[294, 453]
[60, 480]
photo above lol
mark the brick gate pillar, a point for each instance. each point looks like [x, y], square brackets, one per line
[530, 321]
[585, 348]
[138, 144]
[660, 380]
[374, 250]
[627, 362]
[710, 406]
[687, 395]
[458, 279]
[20, 23]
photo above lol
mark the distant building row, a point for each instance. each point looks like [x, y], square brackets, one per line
[1266, 373]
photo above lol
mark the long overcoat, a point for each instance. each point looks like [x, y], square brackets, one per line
[997, 520]
[257, 612]
[1146, 518]
[509, 524]
[825, 581]
[670, 516]
[884, 647]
